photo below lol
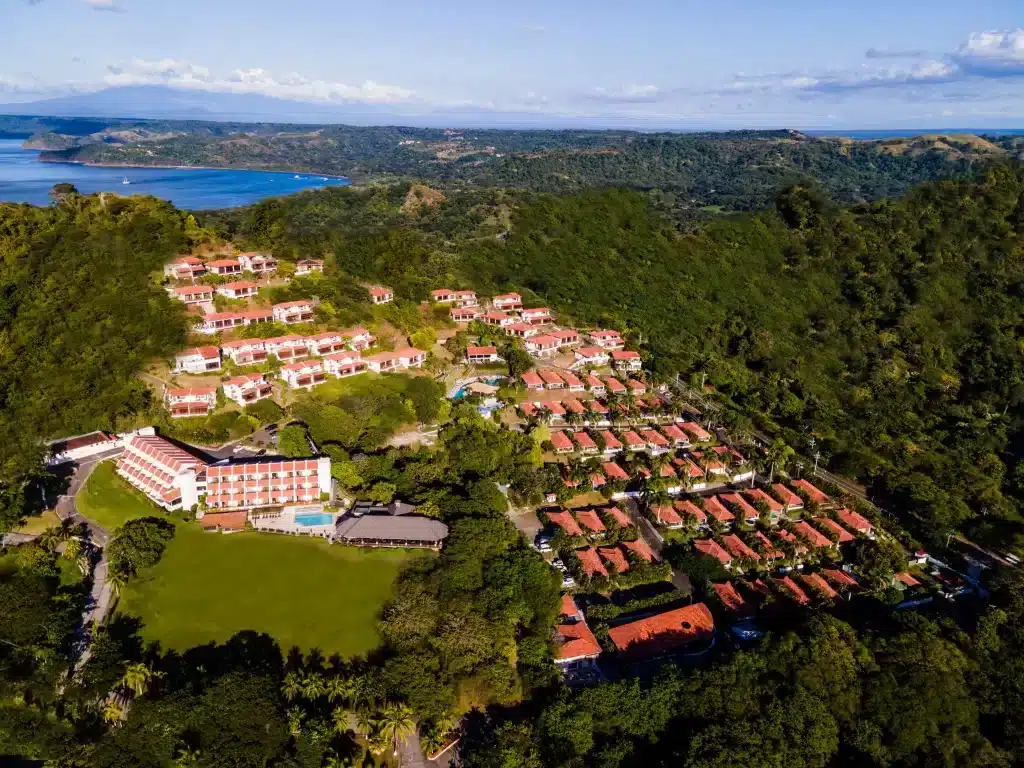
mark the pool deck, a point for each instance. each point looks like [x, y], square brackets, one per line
[284, 522]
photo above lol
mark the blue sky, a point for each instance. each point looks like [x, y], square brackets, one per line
[646, 63]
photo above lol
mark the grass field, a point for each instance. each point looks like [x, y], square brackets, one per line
[208, 586]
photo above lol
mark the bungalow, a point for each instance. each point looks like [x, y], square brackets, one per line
[240, 289]
[655, 441]
[639, 548]
[614, 557]
[615, 386]
[304, 374]
[575, 644]
[709, 461]
[666, 515]
[521, 330]
[611, 443]
[793, 591]
[696, 431]
[254, 316]
[817, 539]
[731, 599]
[289, 312]
[381, 295]
[591, 356]
[768, 550]
[590, 520]
[185, 268]
[466, 298]
[482, 355]
[305, 267]
[717, 510]
[342, 364]
[591, 562]
[834, 530]
[676, 436]
[840, 578]
[262, 263]
[500, 319]
[607, 339]
[711, 548]
[907, 580]
[585, 442]
[695, 473]
[740, 506]
[595, 385]
[194, 294]
[619, 517]
[686, 509]
[551, 379]
[636, 387]
[572, 383]
[614, 472]
[738, 548]
[197, 360]
[358, 338]
[401, 359]
[536, 316]
[786, 536]
[562, 442]
[286, 348]
[566, 522]
[565, 338]
[787, 498]
[819, 585]
[856, 522]
[553, 407]
[191, 401]
[326, 343]
[756, 497]
[624, 360]
[812, 493]
[247, 388]
[632, 440]
[507, 301]
[443, 296]
[664, 632]
[245, 351]
[542, 346]
[220, 321]
[596, 406]
[532, 381]
[572, 405]
[464, 314]
[225, 267]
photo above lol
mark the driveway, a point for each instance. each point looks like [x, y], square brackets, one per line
[649, 534]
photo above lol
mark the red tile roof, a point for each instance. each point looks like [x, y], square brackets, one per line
[611, 442]
[664, 631]
[768, 550]
[638, 387]
[840, 578]
[568, 607]
[622, 354]
[790, 499]
[226, 521]
[815, 582]
[730, 598]
[556, 408]
[596, 406]
[592, 565]
[531, 379]
[614, 385]
[738, 547]
[566, 522]
[813, 493]
[793, 590]
[907, 579]
[576, 641]
[605, 334]
[570, 379]
[816, 538]
[855, 521]
[632, 439]
[593, 382]
[654, 438]
[696, 430]
[561, 441]
[787, 536]
[674, 433]
[640, 549]
[688, 508]
[710, 547]
[589, 519]
[550, 377]
[480, 351]
[615, 556]
[717, 510]
[613, 471]
[224, 263]
[616, 514]
[737, 502]
[691, 469]
[207, 353]
[754, 495]
[572, 405]
[666, 514]
[590, 353]
[831, 525]
[583, 440]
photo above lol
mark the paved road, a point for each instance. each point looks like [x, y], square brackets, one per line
[649, 534]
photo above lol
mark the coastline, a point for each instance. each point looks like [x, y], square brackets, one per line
[195, 168]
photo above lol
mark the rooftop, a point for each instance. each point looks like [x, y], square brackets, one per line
[664, 631]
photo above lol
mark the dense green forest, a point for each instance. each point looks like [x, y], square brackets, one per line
[698, 173]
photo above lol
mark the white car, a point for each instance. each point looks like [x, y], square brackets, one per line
[559, 565]
[568, 582]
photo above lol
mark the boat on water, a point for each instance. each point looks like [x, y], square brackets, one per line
[126, 181]
[297, 176]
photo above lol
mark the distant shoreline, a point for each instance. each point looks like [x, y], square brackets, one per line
[191, 168]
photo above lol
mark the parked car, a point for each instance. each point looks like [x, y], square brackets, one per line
[542, 543]
[568, 582]
[559, 565]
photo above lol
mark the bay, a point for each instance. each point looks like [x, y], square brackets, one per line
[24, 179]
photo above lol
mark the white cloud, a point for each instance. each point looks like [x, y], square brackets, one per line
[253, 80]
[105, 5]
[996, 54]
[631, 93]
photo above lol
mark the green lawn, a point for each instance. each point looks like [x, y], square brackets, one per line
[208, 586]
[302, 591]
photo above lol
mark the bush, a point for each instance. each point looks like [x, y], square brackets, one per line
[138, 544]
[265, 411]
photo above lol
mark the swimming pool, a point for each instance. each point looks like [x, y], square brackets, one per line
[314, 518]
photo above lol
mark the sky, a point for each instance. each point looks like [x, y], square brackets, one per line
[641, 63]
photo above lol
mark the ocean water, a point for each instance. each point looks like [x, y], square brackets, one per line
[24, 179]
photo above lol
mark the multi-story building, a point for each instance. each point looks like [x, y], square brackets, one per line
[305, 267]
[342, 364]
[401, 359]
[482, 355]
[253, 316]
[185, 268]
[257, 263]
[626, 360]
[252, 483]
[542, 346]
[225, 267]
[565, 338]
[507, 301]
[167, 474]
[607, 339]
[464, 314]
[240, 289]
[293, 312]
[286, 348]
[197, 360]
[191, 401]
[591, 356]
[245, 351]
[500, 319]
[247, 388]
[194, 294]
[536, 316]
[358, 338]
[304, 374]
[521, 330]
[381, 295]
[443, 296]
[326, 343]
[220, 321]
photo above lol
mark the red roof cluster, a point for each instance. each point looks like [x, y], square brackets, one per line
[664, 631]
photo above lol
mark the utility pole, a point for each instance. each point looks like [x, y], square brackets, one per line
[817, 455]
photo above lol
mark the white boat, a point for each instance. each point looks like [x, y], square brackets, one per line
[298, 177]
[126, 181]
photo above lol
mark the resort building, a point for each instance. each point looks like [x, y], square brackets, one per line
[542, 346]
[79, 447]
[240, 289]
[459, 298]
[257, 263]
[167, 474]
[466, 298]
[500, 319]
[327, 343]
[194, 294]
[247, 388]
[304, 374]
[607, 339]
[225, 267]
[711, 548]
[464, 314]
[696, 431]
[197, 360]
[664, 632]
[397, 526]
[536, 316]
[286, 348]
[245, 351]
[788, 499]
[342, 364]
[856, 522]
[185, 268]
[551, 379]
[400, 359]
[575, 645]
[595, 385]
[562, 442]
[591, 356]
[521, 330]
[253, 316]
[305, 267]
[358, 338]
[624, 360]
[813, 493]
[532, 381]
[250, 483]
[293, 312]
[565, 338]
[482, 355]
[381, 295]
[507, 301]
[191, 401]
[220, 321]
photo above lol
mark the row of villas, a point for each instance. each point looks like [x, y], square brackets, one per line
[548, 379]
[286, 348]
[192, 268]
[175, 479]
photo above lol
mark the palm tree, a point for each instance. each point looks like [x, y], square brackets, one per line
[295, 721]
[72, 549]
[778, 455]
[116, 579]
[446, 723]
[340, 717]
[335, 761]
[313, 686]
[49, 539]
[137, 678]
[339, 688]
[397, 723]
[366, 720]
[113, 713]
[292, 685]
[186, 757]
